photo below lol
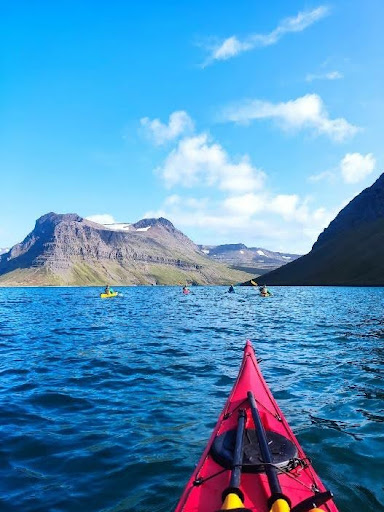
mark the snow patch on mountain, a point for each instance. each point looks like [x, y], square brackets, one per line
[118, 226]
[255, 259]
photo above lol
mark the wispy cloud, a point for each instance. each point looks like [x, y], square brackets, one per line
[179, 123]
[322, 176]
[331, 75]
[307, 111]
[355, 167]
[233, 46]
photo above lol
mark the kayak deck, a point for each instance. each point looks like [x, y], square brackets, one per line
[108, 295]
[211, 477]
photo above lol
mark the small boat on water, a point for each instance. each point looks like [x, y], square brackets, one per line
[253, 462]
[264, 292]
[108, 295]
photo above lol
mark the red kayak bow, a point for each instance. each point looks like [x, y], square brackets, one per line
[253, 462]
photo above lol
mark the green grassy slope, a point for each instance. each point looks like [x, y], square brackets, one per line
[82, 274]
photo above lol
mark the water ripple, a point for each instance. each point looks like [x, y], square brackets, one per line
[106, 406]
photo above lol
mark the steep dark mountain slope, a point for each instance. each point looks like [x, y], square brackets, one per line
[349, 252]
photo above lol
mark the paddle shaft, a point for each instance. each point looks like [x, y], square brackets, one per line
[270, 470]
[233, 497]
[238, 453]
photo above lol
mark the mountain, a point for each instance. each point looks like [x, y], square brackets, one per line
[349, 252]
[255, 260]
[3, 250]
[69, 250]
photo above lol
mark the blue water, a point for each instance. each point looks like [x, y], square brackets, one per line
[106, 405]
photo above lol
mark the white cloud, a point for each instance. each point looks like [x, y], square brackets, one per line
[307, 111]
[331, 75]
[229, 48]
[289, 207]
[103, 218]
[355, 167]
[247, 204]
[197, 161]
[179, 123]
[232, 46]
[278, 222]
[231, 200]
[284, 205]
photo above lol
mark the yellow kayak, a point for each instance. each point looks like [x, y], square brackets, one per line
[108, 295]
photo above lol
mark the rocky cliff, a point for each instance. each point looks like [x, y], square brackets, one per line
[349, 252]
[256, 260]
[69, 250]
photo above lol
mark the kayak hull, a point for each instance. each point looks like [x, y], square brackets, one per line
[108, 295]
[203, 492]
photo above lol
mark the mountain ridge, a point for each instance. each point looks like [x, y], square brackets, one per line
[250, 259]
[349, 252]
[66, 249]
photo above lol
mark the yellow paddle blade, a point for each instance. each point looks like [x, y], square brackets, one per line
[232, 502]
[280, 505]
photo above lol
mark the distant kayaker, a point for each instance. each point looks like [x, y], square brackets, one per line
[231, 289]
[185, 290]
[264, 291]
[108, 290]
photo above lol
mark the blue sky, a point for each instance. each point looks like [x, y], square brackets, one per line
[240, 121]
